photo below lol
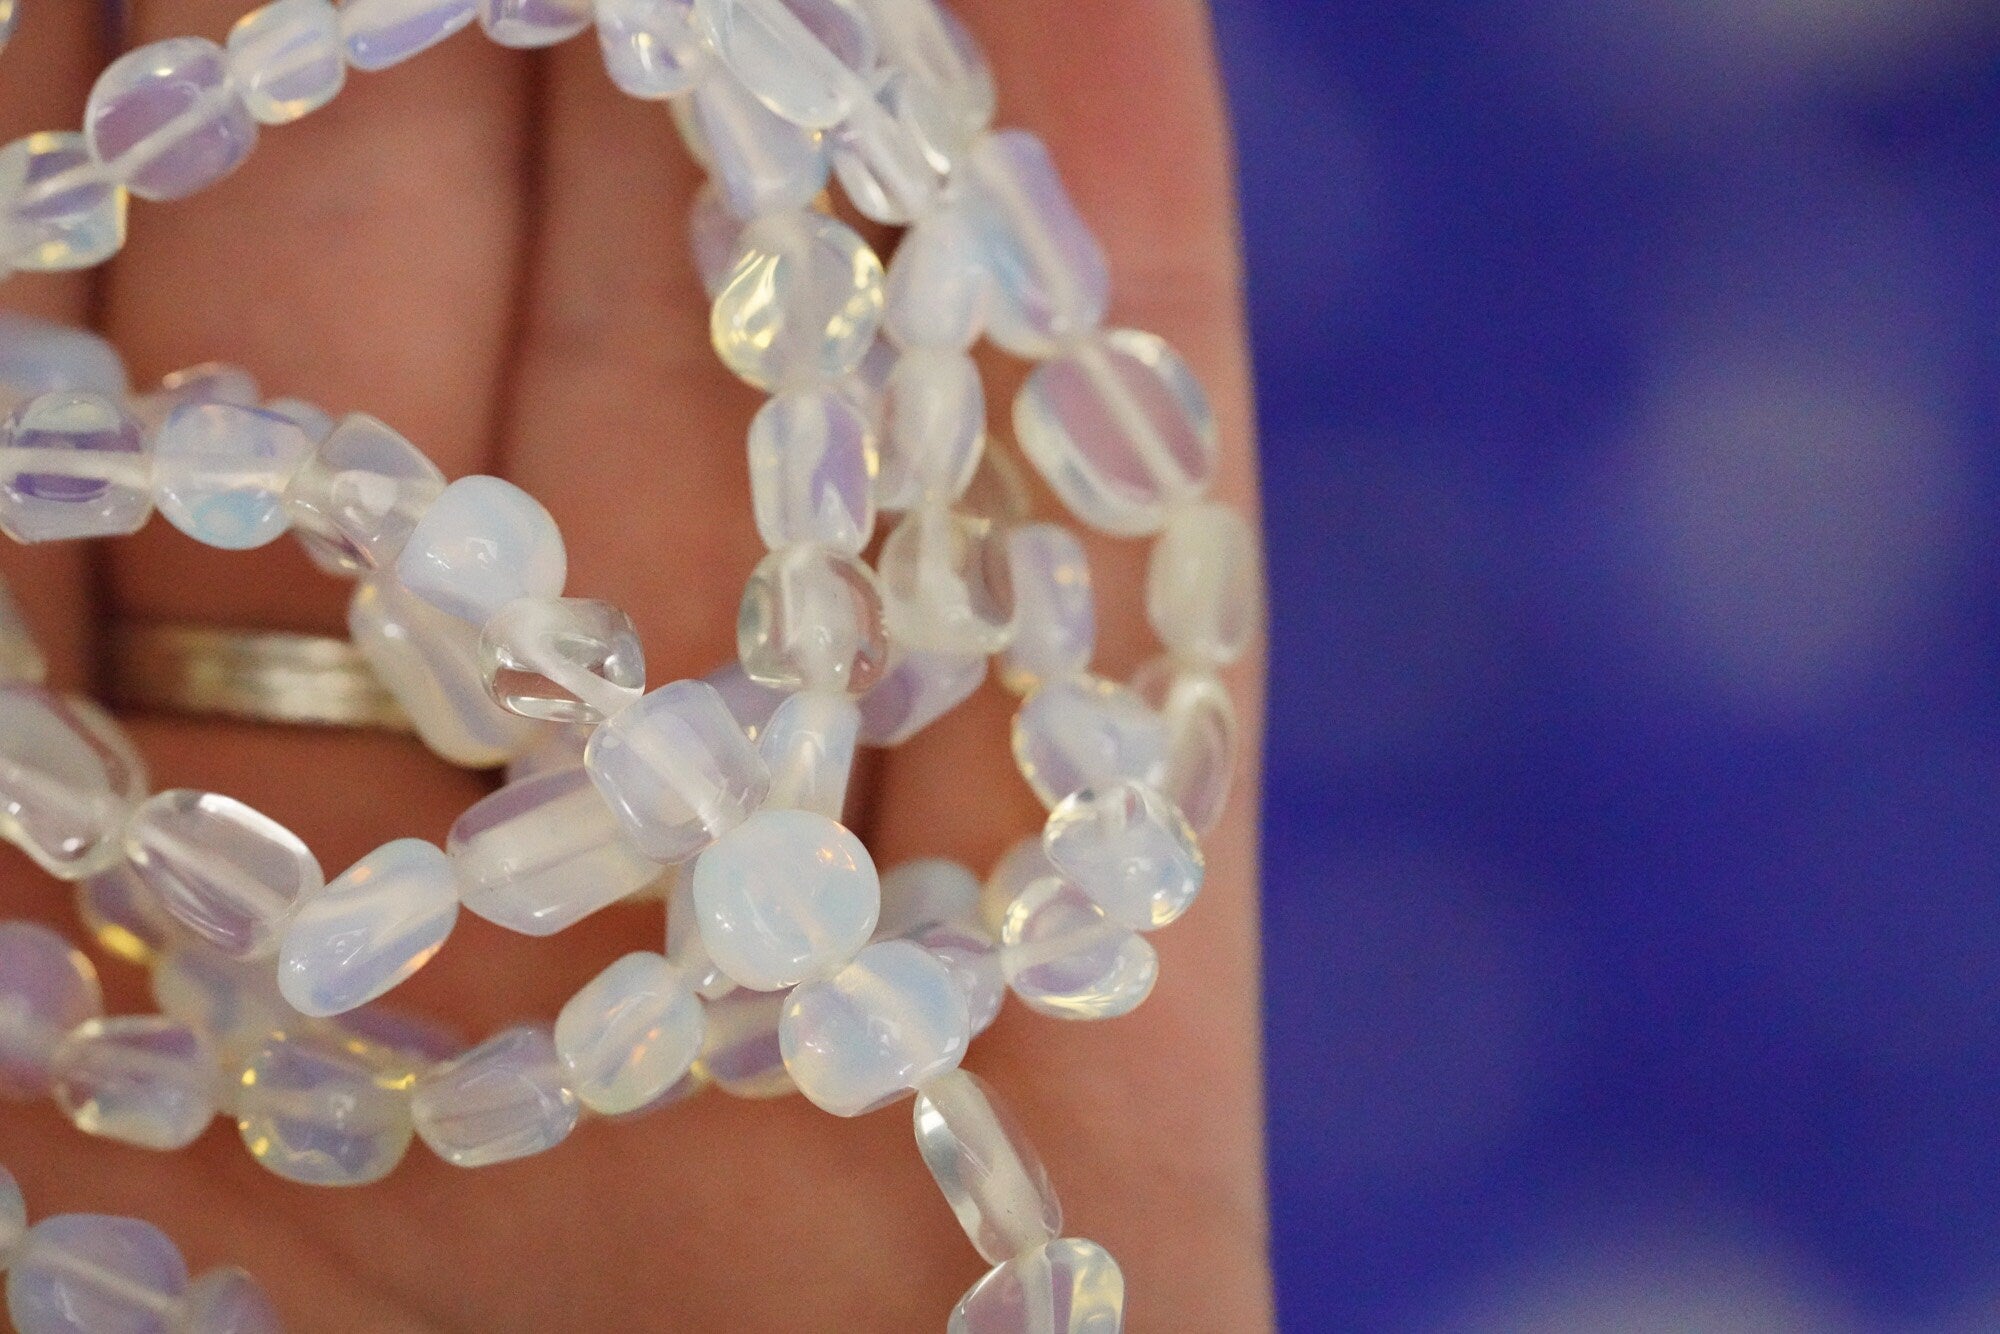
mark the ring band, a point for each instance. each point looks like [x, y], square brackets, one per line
[264, 676]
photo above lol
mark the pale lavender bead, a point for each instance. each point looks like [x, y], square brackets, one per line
[630, 1034]
[370, 929]
[924, 892]
[985, 1166]
[651, 47]
[946, 586]
[1050, 279]
[94, 1274]
[807, 60]
[429, 660]
[13, 1215]
[205, 382]
[972, 956]
[785, 895]
[58, 210]
[812, 466]
[927, 40]
[812, 619]
[543, 853]
[1063, 957]
[740, 1050]
[68, 780]
[802, 303]
[1020, 866]
[123, 914]
[677, 769]
[234, 1005]
[220, 473]
[553, 748]
[502, 1100]
[1055, 613]
[532, 23]
[1127, 847]
[1087, 732]
[890, 155]
[935, 292]
[762, 163]
[381, 33]
[356, 499]
[37, 357]
[809, 748]
[482, 544]
[314, 420]
[47, 988]
[1201, 738]
[881, 1026]
[1068, 1286]
[313, 1108]
[226, 1301]
[230, 874]
[1205, 585]
[564, 660]
[165, 119]
[918, 689]
[73, 464]
[933, 427]
[141, 1079]
[286, 59]
[749, 701]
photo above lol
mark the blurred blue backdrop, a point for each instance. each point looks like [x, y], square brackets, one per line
[1628, 375]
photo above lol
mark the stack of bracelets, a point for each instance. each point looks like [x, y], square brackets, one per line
[788, 962]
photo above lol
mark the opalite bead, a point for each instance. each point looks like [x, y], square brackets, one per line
[143, 1079]
[1129, 849]
[13, 1216]
[234, 1005]
[935, 292]
[47, 988]
[750, 703]
[532, 23]
[429, 660]
[1201, 738]
[21, 660]
[813, 619]
[397, 1043]
[784, 896]
[972, 956]
[887, 156]
[58, 210]
[1204, 592]
[651, 47]
[543, 853]
[1020, 866]
[986, 1167]
[918, 689]
[123, 914]
[928, 890]
[1065, 958]
[945, 583]
[356, 499]
[68, 780]
[677, 770]
[802, 302]
[1087, 732]
[1055, 614]
[286, 59]
[887, 1022]
[373, 926]
[502, 1100]
[807, 60]
[37, 357]
[740, 1052]
[313, 1108]
[551, 749]
[381, 33]
[73, 464]
[314, 420]
[226, 872]
[207, 382]
[482, 544]
[1050, 280]
[629, 1035]
[933, 427]
[565, 660]
[220, 473]
[165, 120]
[684, 947]
[93, 1274]
[928, 41]
[812, 471]
[1068, 1286]
[225, 1301]
[763, 163]
[712, 235]
[809, 748]
[1120, 429]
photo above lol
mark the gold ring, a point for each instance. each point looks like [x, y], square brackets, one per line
[264, 676]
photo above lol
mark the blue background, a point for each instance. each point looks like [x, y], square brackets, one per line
[1628, 381]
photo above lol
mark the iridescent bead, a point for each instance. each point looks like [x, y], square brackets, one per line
[165, 119]
[676, 769]
[58, 211]
[429, 661]
[1201, 738]
[68, 780]
[807, 60]
[935, 293]
[377, 923]
[783, 896]
[550, 750]
[21, 660]
[543, 853]
[356, 499]
[802, 302]
[381, 33]
[1119, 428]
[1055, 614]
[1020, 866]
[1050, 280]
[651, 47]
[972, 956]
[945, 583]
[887, 1022]
[762, 163]
[1064, 957]
[751, 703]
[809, 748]
[220, 473]
[483, 543]
[886, 154]
[142, 1079]
[629, 1035]
[123, 914]
[933, 427]
[1204, 589]
[313, 1108]
[1069, 1286]
[308, 417]
[564, 660]
[228, 873]
[812, 471]
[206, 382]
[46, 989]
[741, 1052]
[928, 890]
[286, 59]
[927, 40]
[234, 1005]
[37, 356]
[13, 1216]
[93, 1274]
[225, 1301]
[918, 689]
[532, 23]
[1129, 849]
[502, 1100]
[986, 1167]
[1087, 732]
[812, 619]
[712, 235]
[73, 464]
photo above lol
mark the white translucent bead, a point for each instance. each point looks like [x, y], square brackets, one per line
[356, 499]
[234, 1005]
[809, 748]
[812, 471]
[220, 473]
[47, 988]
[1204, 588]
[928, 890]
[543, 853]
[142, 1079]
[429, 661]
[1069, 1286]
[712, 235]
[381, 33]
[1064, 957]
[37, 356]
[13, 1216]
[888, 153]
[684, 946]
[927, 40]
[629, 1035]
[553, 749]
[483, 543]
[1085, 731]
[565, 660]
[807, 60]
[1201, 738]
[945, 583]
[1129, 849]
[93, 1274]
[397, 1043]
[308, 417]
[751, 703]
[918, 689]
[502, 1100]
[972, 956]
[651, 47]
[986, 1167]
[676, 769]
[167, 121]
[784, 896]
[225, 1301]
[123, 914]
[763, 163]
[865, 384]
[230, 874]
[935, 293]
[1050, 280]
[1055, 614]
[802, 302]
[887, 1022]
[205, 382]
[286, 59]
[73, 464]
[313, 1108]
[58, 209]
[68, 780]
[532, 23]
[1119, 428]
[377, 923]
[21, 660]
[813, 619]
[741, 1052]
[933, 427]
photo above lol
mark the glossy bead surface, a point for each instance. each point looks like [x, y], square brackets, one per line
[226, 1301]
[741, 1052]
[1087, 732]
[629, 1035]
[762, 163]
[945, 583]
[1055, 612]
[37, 356]
[502, 1100]
[220, 473]
[141, 1079]
[372, 927]
[809, 748]
[483, 543]
[812, 471]
[985, 1166]
[785, 895]
[1064, 957]
[929, 42]
[381, 33]
[972, 956]
[68, 780]
[918, 689]
[47, 988]
[312, 1108]
[1068, 1286]
[123, 914]
[166, 121]
[935, 293]
[750, 703]
[73, 464]
[565, 660]
[1050, 279]
[1204, 589]
[813, 619]
[58, 211]
[928, 890]
[1201, 738]
[806, 60]
[933, 427]
[677, 770]
[286, 59]
[543, 853]
[204, 382]
[802, 301]
[94, 1274]
[230, 874]
[882, 1025]
[651, 47]
[886, 155]
[234, 1005]
[533, 23]
[429, 660]
[356, 499]
[1020, 866]
[1129, 849]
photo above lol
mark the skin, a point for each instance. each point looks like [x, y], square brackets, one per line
[485, 248]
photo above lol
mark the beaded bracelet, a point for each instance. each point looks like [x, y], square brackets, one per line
[789, 962]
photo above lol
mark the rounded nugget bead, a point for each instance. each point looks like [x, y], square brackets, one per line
[918, 689]
[356, 499]
[935, 290]
[286, 59]
[1204, 589]
[68, 781]
[933, 427]
[677, 770]
[1068, 1286]
[371, 928]
[813, 619]
[93, 1274]
[630, 1034]
[1129, 849]
[482, 544]
[802, 301]
[123, 914]
[809, 748]
[1085, 731]
[1055, 612]
[564, 660]
[220, 473]
[58, 211]
[230, 874]
[381, 33]
[762, 163]
[502, 1100]
[225, 1301]
[533, 23]
[1201, 738]
[313, 1108]
[429, 660]
[785, 895]
[47, 988]
[166, 120]
[807, 60]
[543, 853]
[73, 464]
[987, 1169]
[945, 583]
[143, 1079]
[812, 471]
[234, 1005]
[887, 1022]
[741, 1052]
[651, 47]
[1065, 958]
[1050, 279]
